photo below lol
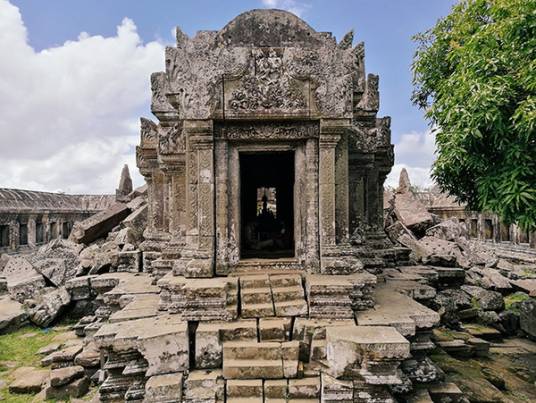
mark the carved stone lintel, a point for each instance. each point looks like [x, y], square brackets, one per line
[269, 132]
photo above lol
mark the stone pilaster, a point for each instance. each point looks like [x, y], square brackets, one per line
[341, 190]
[330, 134]
[198, 257]
[312, 258]
[222, 205]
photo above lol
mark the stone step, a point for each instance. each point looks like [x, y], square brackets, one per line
[251, 350]
[288, 293]
[256, 295]
[291, 308]
[244, 388]
[255, 281]
[285, 280]
[253, 369]
[257, 310]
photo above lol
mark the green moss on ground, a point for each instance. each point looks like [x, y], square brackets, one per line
[477, 378]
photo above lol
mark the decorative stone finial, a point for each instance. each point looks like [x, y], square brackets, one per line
[347, 40]
[404, 184]
[125, 185]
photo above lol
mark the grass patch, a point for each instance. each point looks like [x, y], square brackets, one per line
[19, 349]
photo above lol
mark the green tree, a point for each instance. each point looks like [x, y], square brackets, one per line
[475, 77]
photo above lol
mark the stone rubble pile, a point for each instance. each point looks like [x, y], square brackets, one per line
[151, 336]
[497, 285]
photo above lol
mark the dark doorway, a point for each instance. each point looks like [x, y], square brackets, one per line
[267, 205]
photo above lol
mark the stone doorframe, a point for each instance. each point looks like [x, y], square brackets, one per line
[234, 138]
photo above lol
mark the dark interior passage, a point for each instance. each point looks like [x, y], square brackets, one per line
[267, 204]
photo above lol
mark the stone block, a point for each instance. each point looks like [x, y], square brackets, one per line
[100, 224]
[12, 315]
[366, 349]
[63, 376]
[28, 380]
[305, 388]
[204, 386]
[244, 388]
[164, 388]
[400, 311]
[48, 306]
[210, 337]
[274, 329]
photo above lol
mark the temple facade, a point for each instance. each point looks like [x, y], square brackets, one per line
[265, 109]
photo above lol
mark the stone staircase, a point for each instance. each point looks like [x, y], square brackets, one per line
[267, 336]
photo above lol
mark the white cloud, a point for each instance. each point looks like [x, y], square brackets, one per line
[415, 152]
[68, 114]
[294, 6]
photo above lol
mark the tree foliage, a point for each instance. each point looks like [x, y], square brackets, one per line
[475, 76]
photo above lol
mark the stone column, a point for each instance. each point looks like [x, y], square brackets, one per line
[381, 180]
[14, 235]
[372, 197]
[150, 204]
[31, 231]
[329, 137]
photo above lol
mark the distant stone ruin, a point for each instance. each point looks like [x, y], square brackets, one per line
[29, 218]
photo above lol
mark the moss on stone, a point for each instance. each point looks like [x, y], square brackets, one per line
[511, 300]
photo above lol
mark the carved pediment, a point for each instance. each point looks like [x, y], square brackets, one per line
[267, 89]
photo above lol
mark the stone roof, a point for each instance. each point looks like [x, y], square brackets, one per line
[13, 200]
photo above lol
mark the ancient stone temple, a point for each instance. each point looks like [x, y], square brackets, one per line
[264, 247]
[266, 105]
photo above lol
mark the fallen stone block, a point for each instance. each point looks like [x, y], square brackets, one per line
[527, 285]
[527, 317]
[28, 380]
[400, 311]
[62, 358]
[137, 221]
[488, 278]
[75, 389]
[412, 213]
[485, 299]
[375, 352]
[12, 315]
[99, 224]
[274, 329]
[63, 376]
[54, 270]
[90, 357]
[449, 230]
[446, 392]
[48, 306]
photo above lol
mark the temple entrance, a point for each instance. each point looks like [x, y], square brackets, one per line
[267, 205]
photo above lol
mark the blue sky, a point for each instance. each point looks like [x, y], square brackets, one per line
[386, 27]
